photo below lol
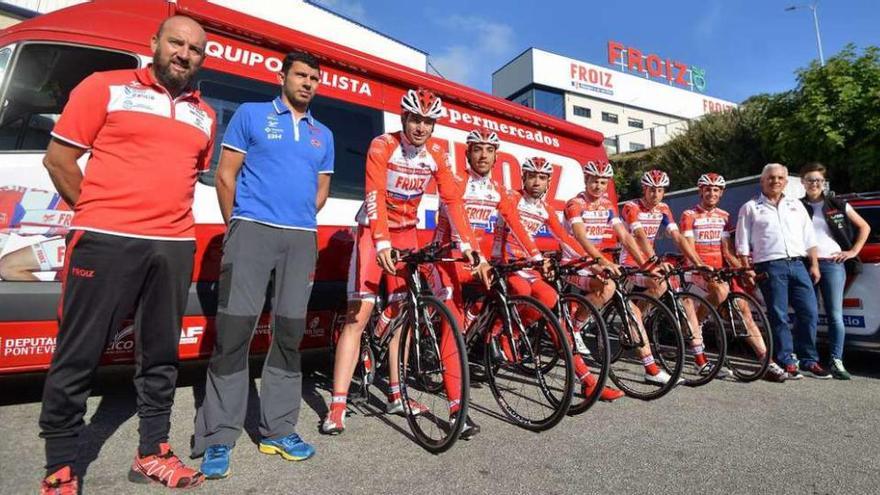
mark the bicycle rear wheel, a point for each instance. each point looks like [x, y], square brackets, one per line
[664, 341]
[709, 325]
[744, 358]
[584, 324]
[433, 375]
[529, 365]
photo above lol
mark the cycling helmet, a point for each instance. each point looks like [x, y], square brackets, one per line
[655, 178]
[477, 136]
[422, 102]
[603, 170]
[538, 165]
[711, 179]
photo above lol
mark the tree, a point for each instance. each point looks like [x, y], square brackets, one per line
[833, 116]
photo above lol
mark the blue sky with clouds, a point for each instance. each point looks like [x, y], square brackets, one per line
[745, 46]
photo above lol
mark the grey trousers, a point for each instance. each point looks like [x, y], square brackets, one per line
[251, 252]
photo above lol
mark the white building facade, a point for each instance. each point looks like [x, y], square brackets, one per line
[634, 110]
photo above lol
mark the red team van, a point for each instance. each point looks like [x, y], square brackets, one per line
[42, 59]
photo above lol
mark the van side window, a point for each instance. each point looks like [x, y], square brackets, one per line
[39, 85]
[353, 126]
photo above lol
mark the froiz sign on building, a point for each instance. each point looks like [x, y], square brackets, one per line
[652, 65]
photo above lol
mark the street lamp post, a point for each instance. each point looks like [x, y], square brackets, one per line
[812, 8]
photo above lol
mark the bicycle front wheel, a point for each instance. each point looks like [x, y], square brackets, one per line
[633, 341]
[584, 325]
[749, 341]
[433, 375]
[700, 321]
[529, 365]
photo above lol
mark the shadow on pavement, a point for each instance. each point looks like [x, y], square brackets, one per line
[112, 412]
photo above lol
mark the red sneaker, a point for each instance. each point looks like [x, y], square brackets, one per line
[61, 482]
[164, 468]
[608, 394]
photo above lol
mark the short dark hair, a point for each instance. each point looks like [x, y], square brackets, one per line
[814, 167]
[299, 56]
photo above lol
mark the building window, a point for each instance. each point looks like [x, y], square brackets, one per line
[636, 147]
[525, 100]
[582, 112]
[611, 145]
[637, 123]
[609, 117]
[550, 102]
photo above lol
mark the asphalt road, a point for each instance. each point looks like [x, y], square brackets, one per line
[810, 436]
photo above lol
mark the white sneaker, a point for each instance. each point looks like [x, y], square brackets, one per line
[579, 344]
[331, 427]
[396, 407]
[707, 368]
[661, 378]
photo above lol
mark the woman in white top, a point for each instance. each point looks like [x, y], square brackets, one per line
[840, 235]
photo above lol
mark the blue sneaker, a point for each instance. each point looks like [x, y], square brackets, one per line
[215, 464]
[291, 447]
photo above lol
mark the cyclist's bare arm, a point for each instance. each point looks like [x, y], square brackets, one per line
[727, 251]
[632, 247]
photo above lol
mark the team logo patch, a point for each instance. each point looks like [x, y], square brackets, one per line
[316, 143]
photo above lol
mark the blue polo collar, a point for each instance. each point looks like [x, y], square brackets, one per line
[280, 108]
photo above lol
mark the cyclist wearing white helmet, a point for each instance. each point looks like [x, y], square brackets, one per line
[707, 228]
[535, 213]
[485, 200]
[400, 165]
[645, 218]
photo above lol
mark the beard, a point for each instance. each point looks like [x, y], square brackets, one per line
[172, 81]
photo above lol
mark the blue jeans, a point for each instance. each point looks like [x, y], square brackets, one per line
[831, 287]
[788, 282]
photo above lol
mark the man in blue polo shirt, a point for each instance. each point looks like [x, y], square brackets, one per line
[273, 177]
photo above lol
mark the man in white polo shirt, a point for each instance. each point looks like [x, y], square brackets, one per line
[776, 231]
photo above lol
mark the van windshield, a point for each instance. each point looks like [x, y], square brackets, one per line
[39, 85]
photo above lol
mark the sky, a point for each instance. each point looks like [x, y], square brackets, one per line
[746, 47]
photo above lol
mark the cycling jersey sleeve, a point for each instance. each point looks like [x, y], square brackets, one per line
[729, 228]
[451, 195]
[687, 223]
[374, 195]
[510, 213]
[668, 219]
[630, 216]
[566, 241]
[573, 211]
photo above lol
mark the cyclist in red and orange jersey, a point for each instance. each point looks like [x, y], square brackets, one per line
[535, 213]
[707, 228]
[645, 218]
[485, 200]
[592, 218]
[400, 165]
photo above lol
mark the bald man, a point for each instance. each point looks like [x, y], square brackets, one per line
[130, 248]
